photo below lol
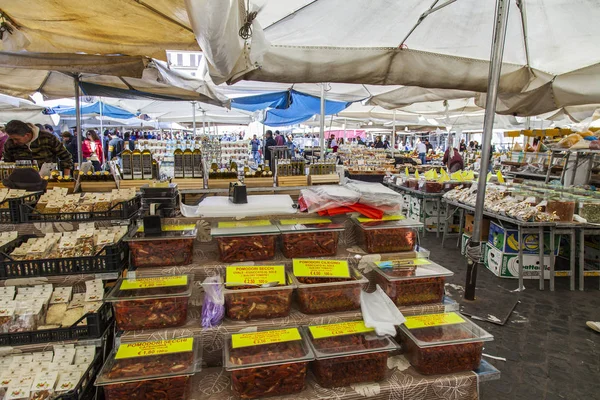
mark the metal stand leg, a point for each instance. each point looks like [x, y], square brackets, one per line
[541, 253]
[423, 203]
[461, 222]
[445, 231]
[439, 212]
[552, 256]
[520, 234]
[581, 257]
[573, 237]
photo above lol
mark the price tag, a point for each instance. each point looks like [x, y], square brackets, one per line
[255, 275]
[147, 283]
[267, 337]
[385, 218]
[173, 228]
[424, 321]
[160, 347]
[306, 221]
[341, 329]
[403, 263]
[323, 268]
[243, 224]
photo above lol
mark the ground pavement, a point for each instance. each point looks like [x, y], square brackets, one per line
[550, 353]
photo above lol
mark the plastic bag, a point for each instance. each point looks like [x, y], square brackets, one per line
[568, 141]
[380, 312]
[213, 306]
[321, 198]
[377, 195]
[595, 145]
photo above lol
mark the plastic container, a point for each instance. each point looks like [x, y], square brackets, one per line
[388, 236]
[348, 359]
[328, 295]
[447, 348]
[409, 285]
[562, 208]
[123, 210]
[169, 190]
[151, 303]
[412, 183]
[171, 247]
[245, 243]
[590, 210]
[266, 370]
[309, 239]
[10, 209]
[432, 187]
[243, 303]
[163, 376]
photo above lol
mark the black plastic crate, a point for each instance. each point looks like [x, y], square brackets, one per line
[85, 389]
[12, 214]
[96, 326]
[153, 192]
[111, 258]
[123, 210]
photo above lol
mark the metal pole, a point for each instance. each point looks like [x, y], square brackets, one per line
[101, 125]
[394, 134]
[498, 39]
[194, 118]
[204, 122]
[345, 131]
[78, 120]
[322, 122]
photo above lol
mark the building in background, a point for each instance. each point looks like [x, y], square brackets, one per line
[184, 60]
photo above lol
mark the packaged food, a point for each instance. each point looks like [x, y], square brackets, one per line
[411, 282]
[268, 363]
[7, 315]
[173, 246]
[446, 343]
[270, 297]
[432, 187]
[590, 210]
[561, 208]
[321, 295]
[387, 236]
[245, 240]
[347, 353]
[150, 370]
[151, 303]
[317, 237]
[412, 183]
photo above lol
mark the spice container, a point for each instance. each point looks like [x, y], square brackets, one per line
[387, 236]
[590, 210]
[412, 282]
[173, 246]
[447, 343]
[151, 303]
[321, 295]
[562, 208]
[348, 353]
[269, 363]
[245, 240]
[244, 302]
[150, 370]
[317, 237]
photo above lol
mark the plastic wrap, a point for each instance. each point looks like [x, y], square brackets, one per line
[569, 141]
[319, 198]
[213, 306]
[377, 195]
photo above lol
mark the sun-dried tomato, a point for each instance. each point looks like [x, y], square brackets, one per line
[151, 365]
[162, 253]
[344, 371]
[443, 359]
[410, 292]
[390, 240]
[257, 304]
[151, 313]
[311, 244]
[329, 298]
[156, 389]
[246, 248]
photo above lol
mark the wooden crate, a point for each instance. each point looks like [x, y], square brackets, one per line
[220, 183]
[284, 181]
[69, 185]
[97, 187]
[188, 183]
[329, 179]
[134, 183]
[259, 182]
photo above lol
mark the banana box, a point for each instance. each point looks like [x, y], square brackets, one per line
[505, 240]
[507, 265]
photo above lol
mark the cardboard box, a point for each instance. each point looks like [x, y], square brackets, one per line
[470, 225]
[507, 265]
[506, 241]
[431, 208]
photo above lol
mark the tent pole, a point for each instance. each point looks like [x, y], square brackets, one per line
[101, 125]
[204, 122]
[194, 118]
[497, 52]
[394, 135]
[345, 131]
[322, 122]
[78, 120]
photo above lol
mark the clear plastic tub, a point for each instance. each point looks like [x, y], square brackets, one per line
[327, 295]
[349, 358]
[163, 376]
[562, 208]
[431, 186]
[436, 344]
[173, 246]
[388, 236]
[151, 303]
[309, 237]
[264, 370]
[245, 243]
[590, 210]
[408, 284]
[244, 303]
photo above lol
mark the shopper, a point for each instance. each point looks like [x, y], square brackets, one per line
[360, 142]
[279, 139]
[70, 143]
[422, 151]
[454, 160]
[269, 142]
[255, 143]
[291, 146]
[115, 146]
[428, 145]
[92, 149]
[463, 146]
[3, 139]
[27, 142]
[378, 143]
[333, 144]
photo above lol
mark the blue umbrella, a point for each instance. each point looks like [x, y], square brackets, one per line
[97, 108]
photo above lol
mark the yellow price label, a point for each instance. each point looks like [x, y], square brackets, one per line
[267, 337]
[160, 347]
[321, 268]
[148, 283]
[403, 263]
[425, 321]
[306, 221]
[384, 218]
[173, 228]
[255, 275]
[243, 224]
[340, 329]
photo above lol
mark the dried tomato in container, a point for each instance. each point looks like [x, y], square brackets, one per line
[348, 353]
[305, 237]
[150, 370]
[151, 303]
[173, 246]
[268, 363]
[410, 282]
[240, 241]
[388, 235]
[446, 343]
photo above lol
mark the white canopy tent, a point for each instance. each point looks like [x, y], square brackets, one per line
[24, 110]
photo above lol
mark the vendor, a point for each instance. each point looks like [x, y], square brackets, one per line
[453, 160]
[27, 142]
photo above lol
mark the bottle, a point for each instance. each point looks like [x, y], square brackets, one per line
[178, 163]
[127, 161]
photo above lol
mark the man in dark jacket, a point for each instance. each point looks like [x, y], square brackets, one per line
[269, 141]
[70, 143]
[115, 146]
[27, 142]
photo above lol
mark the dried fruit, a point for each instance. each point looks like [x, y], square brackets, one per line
[257, 303]
[389, 240]
[319, 299]
[161, 253]
[246, 248]
[311, 244]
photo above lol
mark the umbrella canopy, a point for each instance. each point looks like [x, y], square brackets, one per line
[24, 110]
[96, 109]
